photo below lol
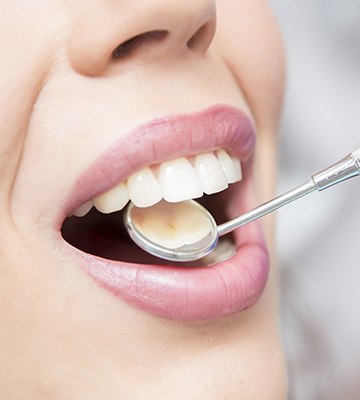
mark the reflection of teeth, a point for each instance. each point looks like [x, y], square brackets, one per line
[190, 224]
[174, 180]
[171, 225]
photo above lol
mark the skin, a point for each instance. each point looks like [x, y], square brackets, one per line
[64, 100]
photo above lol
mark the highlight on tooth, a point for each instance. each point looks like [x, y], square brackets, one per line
[183, 178]
[113, 200]
[144, 189]
[210, 173]
[179, 181]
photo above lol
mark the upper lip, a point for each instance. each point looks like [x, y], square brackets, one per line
[220, 126]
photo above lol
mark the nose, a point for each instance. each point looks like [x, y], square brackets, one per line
[113, 31]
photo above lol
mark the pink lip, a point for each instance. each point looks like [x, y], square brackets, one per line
[171, 292]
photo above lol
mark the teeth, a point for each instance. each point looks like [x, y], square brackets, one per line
[144, 190]
[210, 173]
[237, 168]
[229, 165]
[113, 200]
[83, 209]
[174, 181]
[178, 180]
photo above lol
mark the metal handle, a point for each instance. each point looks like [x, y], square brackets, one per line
[344, 169]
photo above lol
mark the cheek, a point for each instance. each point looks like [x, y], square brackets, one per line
[25, 37]
[18, 93]
[251, 43]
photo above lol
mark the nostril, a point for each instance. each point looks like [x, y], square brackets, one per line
[128, 47]
[200, 37]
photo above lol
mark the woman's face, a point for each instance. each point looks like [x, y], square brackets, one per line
[92, 92]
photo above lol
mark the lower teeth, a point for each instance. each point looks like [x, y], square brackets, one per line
[223, 251]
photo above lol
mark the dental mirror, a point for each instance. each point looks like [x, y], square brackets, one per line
[186, 231]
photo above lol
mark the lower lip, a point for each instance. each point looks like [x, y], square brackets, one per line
[203, 293]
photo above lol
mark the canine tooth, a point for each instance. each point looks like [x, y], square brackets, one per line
[83, 209]
[113, 200]
[178, 180]
[144, 190]
[227, 165]
[210, 173]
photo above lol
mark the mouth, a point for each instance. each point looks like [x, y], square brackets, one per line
[205, 156]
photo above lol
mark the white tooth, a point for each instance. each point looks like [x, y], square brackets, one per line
[210, 173]
[144, 190]
[178, 180]
[113, 200]
[237, 168]
[230, 169]
[83, 209]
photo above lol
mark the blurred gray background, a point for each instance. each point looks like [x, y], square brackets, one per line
[318, 236]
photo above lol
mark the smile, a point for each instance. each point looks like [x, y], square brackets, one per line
[177, 180]
[175, 158]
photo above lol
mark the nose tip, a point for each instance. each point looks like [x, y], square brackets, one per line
[153, 29]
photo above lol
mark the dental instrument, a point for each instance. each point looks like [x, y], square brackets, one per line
[170, 244]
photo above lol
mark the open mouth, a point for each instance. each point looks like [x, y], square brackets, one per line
[97, 227]
[200, 156]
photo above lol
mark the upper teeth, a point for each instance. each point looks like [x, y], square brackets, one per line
[176, 180]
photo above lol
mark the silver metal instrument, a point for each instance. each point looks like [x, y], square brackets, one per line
[344, 169]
